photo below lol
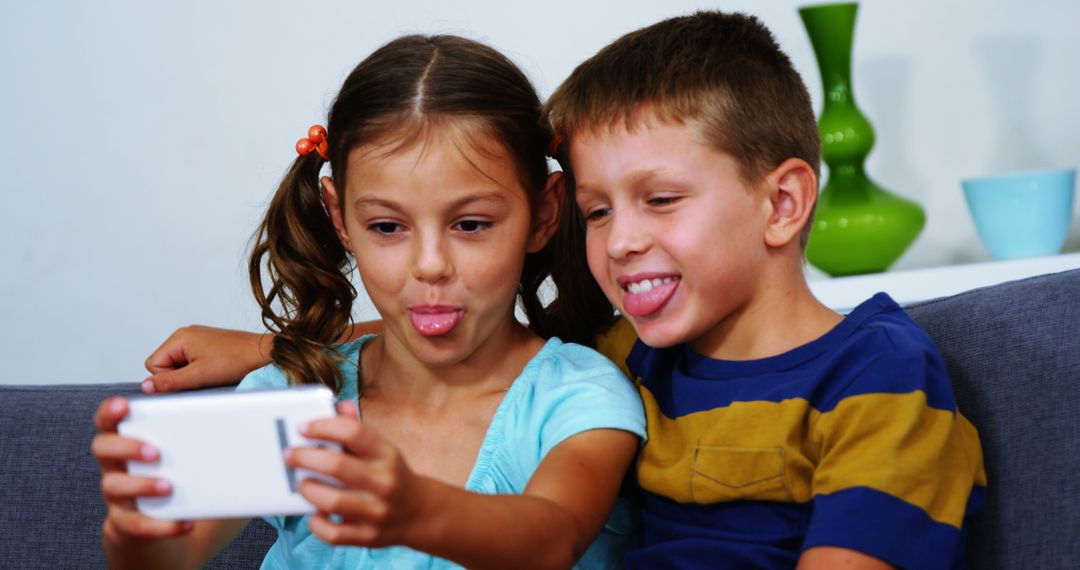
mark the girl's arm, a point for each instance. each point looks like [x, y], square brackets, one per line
[131, 539]
[561, 512]
[197, 356]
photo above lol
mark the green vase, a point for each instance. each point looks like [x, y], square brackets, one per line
[859, 226]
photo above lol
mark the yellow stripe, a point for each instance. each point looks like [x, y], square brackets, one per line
[788, 452]
[616, 343]
[896, 444]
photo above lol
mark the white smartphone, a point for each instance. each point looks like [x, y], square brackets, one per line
[223, 450]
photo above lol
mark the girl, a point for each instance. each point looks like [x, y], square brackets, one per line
[481, 444]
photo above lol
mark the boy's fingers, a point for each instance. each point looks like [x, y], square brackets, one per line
[169, 356]
[171, 380]
[109, 413]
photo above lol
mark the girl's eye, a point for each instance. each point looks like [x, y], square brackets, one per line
[385, 228]
[597, 214]
[472, 226]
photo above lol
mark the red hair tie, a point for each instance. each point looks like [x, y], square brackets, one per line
[553, 146]
[315, 140]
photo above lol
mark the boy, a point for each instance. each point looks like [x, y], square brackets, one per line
[779, 432]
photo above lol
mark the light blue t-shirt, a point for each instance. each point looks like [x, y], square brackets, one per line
[564, 390]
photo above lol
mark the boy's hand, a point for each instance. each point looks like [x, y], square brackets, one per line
[379, 500]
[119, 489]
[197, 356]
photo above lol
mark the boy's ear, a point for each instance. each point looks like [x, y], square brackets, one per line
[792, 189]
[546, 217]
[333, 206]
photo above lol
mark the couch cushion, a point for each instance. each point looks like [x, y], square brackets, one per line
[52, 509]
[1013, 352]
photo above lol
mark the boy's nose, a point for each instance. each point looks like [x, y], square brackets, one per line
[431, 261]
[626, 236]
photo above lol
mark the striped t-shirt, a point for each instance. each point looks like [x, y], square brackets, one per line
[852, 440]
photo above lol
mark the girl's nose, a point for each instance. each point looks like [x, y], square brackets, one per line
[431, 261]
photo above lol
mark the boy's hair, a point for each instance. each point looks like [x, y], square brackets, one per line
[723, 71]
[395, 97]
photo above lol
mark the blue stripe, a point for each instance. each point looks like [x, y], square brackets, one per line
[889, 355]
[884, 527]
[744, 534]
[764, 534]
[975, 501]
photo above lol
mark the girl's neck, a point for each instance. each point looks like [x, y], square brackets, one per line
[389, 369]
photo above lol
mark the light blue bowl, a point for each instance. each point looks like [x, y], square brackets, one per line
[1024, 214]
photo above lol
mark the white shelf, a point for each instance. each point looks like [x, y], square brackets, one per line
[844, 293]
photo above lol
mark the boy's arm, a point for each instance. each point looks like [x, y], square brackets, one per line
[198, 356]
[831, 557]
[899, 466]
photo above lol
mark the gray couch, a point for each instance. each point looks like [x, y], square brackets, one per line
[1013, 351]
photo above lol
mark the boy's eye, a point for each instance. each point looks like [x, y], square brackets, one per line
[472, 226]
[663, 200]
[385, 228]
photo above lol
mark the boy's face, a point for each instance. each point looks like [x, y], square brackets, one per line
[674, 236]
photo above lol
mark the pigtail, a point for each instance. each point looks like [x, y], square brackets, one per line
[580, 311]
[581, 304]
[307, 268]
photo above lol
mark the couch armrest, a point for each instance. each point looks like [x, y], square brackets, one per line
[1013, 353]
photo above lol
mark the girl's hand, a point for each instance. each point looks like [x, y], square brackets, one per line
[120, 489]
[197, 356]
[380, 499]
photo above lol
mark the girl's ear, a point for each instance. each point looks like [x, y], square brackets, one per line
[333, 206]
[792, 191]
[546, 217]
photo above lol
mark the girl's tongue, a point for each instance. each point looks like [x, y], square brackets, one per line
[434, 321]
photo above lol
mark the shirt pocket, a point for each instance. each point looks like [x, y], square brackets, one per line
[724, 473]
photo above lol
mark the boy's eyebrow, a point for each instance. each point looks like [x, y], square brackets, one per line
[496, 198]
[635, 178]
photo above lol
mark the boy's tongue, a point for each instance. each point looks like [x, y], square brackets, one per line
[647, 302]
[434, 322]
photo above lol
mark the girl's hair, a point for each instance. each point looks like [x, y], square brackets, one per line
[398, 92]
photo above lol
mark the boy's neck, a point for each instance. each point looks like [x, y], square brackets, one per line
[782, 315]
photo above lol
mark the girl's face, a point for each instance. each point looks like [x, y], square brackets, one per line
[439, 230]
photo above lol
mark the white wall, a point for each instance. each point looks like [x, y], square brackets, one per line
[140, 142]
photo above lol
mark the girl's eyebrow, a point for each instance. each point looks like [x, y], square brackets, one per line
[495, 198]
